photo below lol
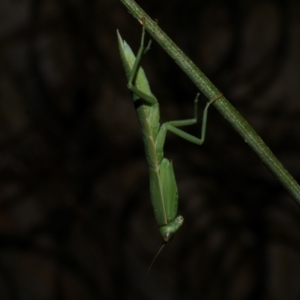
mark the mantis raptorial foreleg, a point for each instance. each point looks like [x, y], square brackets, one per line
[163, 187]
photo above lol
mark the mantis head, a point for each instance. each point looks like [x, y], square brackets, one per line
[167, 231]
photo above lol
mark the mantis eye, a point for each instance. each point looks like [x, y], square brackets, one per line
[168, 236]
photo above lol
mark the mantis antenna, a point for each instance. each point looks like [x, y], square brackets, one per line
[152, 262]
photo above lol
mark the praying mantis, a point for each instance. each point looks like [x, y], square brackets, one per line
[163, 187]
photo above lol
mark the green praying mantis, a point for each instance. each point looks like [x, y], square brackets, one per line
[163, 187]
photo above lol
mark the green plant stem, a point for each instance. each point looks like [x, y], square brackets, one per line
[222, 104]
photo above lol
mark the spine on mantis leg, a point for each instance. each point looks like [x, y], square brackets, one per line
[163, 188]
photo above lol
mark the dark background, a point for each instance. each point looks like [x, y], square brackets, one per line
[75, 214]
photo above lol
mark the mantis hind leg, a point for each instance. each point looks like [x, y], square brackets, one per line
[142, 51]
[135, 70]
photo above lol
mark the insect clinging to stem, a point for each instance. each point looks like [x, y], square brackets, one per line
[163, 187]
